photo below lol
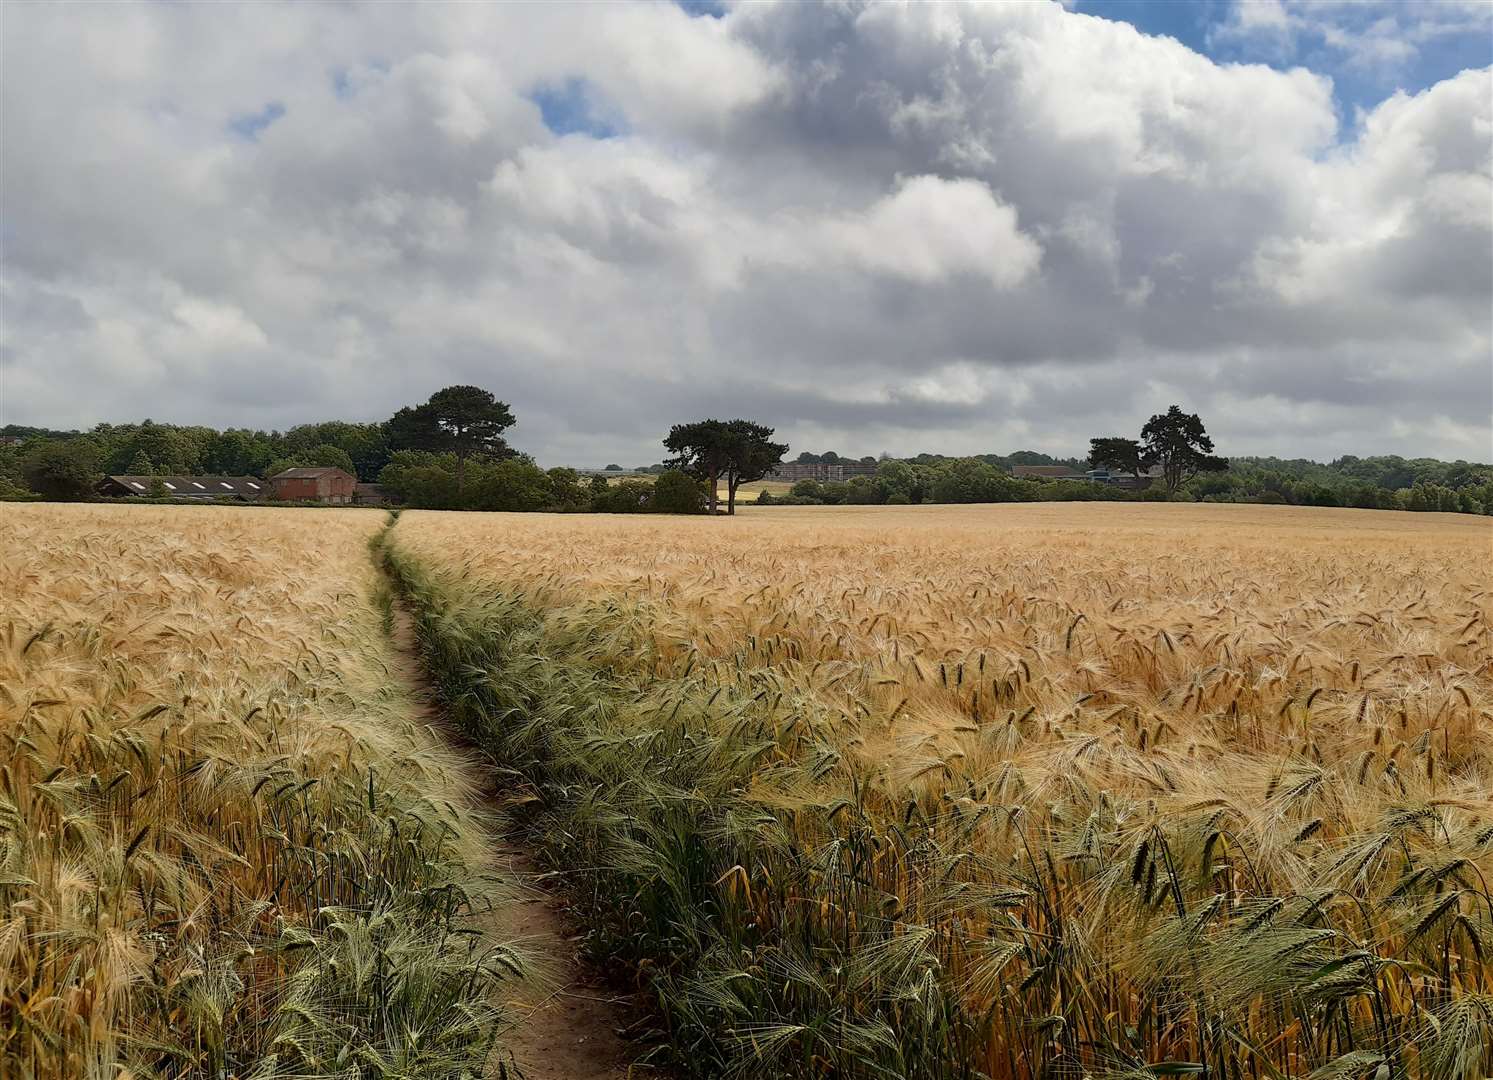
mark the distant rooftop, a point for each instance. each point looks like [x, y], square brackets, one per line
[198, 487]
[310, 473]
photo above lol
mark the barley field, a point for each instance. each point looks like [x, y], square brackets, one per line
[1088, 790]
[228, 845]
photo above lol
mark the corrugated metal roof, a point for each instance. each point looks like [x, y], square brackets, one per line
[197, 487]
[315, 473]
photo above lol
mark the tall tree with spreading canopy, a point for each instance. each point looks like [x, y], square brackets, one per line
[466, 421]
[1177, 442]
[1113, 452]
[750, 455]
[699, 449]
[737, 451]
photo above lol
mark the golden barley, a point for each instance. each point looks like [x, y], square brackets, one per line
[1090, 787]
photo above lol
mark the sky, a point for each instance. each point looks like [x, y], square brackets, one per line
[926, 227]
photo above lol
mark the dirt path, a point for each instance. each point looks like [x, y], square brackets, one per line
[565, 1020]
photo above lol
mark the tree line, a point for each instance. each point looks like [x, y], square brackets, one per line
[1379, 483]
[450, 452]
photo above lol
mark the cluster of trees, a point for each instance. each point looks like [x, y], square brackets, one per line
[1382, 483]
[1173, 441]
[734, 451]
[829, 457]
[960, 480]
[460, 420]
[947, 480]
[442, 481]
[1177, 444]
[1434, 486]
[69, 464]
[452, 457]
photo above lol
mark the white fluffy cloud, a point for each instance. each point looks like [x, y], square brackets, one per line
[877, 227]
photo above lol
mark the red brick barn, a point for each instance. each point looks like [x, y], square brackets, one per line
[325, 484]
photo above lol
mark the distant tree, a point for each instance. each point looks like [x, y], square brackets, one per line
[466, 421]
[1113, 452]
[1176, 441]
[807, 489]
[170, 449]
[421, 480]
[905, 481]
[864, 491]
[972, 481]
[737, 451]
[428, 481]
[324, 456]
[807, 458]
[12, 491]
[625, 497]
[613, 468]
[366, 444]
[829, 457]
[700, 450]
[751, 455]
[676, 492]
[61, 470]
[512, 484]
[140, 465]
[566, 491]
[158, 488]
[238, 452]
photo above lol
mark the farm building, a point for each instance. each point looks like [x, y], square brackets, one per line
[186, 487]
[319, 484]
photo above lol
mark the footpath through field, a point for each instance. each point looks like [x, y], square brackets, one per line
[566, 1022]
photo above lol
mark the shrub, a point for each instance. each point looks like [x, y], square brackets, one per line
[628, 497]
[566, 491]
[61, 470]
[971, 481]
[676, 492]
[807, 489]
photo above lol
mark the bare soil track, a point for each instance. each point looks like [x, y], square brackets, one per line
[566, 1021]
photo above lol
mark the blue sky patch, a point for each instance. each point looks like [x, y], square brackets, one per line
[1369, 49]
[1187, 22]
[249, 125]
[573, 107]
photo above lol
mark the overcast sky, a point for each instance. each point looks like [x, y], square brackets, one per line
[933, 227]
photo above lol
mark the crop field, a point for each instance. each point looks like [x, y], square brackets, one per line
[228, 847]
[1004, 791]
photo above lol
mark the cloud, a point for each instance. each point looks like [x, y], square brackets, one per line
[1374, 36]
[878, 227]
[929, 230]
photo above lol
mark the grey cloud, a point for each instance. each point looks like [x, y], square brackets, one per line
[1135, 225]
